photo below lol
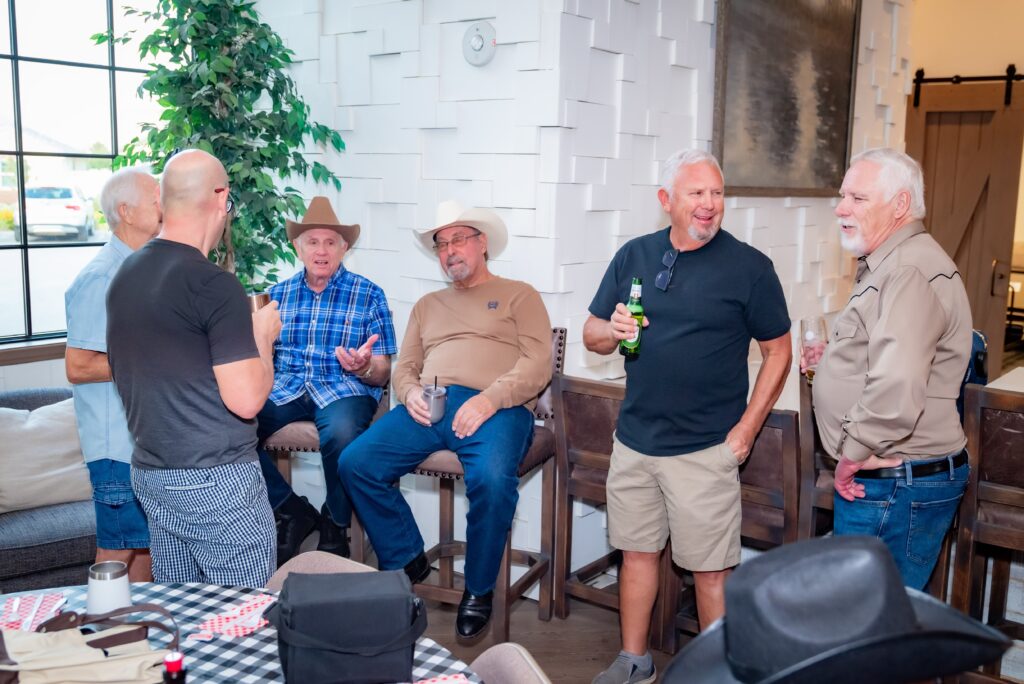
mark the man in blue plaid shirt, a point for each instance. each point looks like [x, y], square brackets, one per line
[330, 365]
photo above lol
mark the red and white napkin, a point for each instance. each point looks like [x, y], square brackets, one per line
[235, 622]
[28, 611]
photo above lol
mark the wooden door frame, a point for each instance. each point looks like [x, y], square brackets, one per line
[1007, 142]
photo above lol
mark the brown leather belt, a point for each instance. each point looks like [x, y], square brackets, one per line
[916, 469]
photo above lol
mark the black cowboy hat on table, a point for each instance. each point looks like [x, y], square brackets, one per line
[832, 611]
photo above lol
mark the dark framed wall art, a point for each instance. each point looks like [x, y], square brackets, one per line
[784, 80]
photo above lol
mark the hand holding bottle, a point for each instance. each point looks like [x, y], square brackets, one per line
[623, 323]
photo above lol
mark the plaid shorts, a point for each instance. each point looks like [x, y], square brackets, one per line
[211, 525]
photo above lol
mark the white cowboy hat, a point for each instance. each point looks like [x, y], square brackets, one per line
[452, 213]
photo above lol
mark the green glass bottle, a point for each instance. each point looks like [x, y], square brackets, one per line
[630, 348]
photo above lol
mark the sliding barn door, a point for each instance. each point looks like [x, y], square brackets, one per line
[969, 143]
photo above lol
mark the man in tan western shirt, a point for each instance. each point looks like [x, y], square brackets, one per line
[488, 341]
[885, 391]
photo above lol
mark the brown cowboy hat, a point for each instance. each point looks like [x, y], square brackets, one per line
[319, 214]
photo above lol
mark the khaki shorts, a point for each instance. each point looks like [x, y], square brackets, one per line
[694, 497]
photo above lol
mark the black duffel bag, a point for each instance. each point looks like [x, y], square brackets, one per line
[358, 627]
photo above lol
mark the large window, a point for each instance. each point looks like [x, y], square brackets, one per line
[67, 107]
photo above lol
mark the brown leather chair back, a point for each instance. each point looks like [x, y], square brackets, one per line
[770, 482]
[992, 510]
[588, 411]
[545, 410]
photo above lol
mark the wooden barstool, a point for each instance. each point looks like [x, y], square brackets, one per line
[586, 414]
[302, 435]
[992, 510]
[445, 466]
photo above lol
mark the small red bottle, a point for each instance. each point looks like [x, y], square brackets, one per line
[174, 668]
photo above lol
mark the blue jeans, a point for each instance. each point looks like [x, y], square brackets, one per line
[338, 423]
[396, 444]
[120, 522]
[910, 514]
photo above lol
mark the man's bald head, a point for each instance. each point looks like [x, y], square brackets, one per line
[189, 180]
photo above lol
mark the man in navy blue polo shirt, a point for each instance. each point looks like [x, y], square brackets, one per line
[685, 425]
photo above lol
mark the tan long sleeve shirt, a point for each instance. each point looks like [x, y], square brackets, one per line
[897, 355]
[494, 337]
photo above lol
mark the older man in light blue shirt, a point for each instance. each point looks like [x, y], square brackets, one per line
[131, 202]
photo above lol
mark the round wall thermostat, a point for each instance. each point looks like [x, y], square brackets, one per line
[478, 44]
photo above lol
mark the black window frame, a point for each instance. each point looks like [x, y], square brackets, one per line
[13, 60]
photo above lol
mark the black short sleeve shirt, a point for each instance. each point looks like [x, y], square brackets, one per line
[172, 315]
[688, 387]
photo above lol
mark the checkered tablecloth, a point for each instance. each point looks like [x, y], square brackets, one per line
[250, 659]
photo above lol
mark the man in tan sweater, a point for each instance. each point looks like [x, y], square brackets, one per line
[488, 341]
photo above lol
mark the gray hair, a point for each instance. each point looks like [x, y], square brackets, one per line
[121, 188]
[670, 168]
[897, 172]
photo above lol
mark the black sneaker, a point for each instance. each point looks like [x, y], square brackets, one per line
[333, 538]
[296, 519]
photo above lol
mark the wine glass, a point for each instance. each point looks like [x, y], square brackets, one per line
[813, 338]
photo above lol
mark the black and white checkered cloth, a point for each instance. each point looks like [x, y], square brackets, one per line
[242, 660]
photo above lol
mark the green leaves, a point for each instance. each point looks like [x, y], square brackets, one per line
[226, 90]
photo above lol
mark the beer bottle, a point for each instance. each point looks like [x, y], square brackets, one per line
[630, 348]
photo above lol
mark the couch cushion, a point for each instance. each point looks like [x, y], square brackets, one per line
[41, 459]
[38, 539]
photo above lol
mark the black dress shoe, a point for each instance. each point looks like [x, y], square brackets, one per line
[333, 538]
[295, 519]
[418, 569]
[474, 614]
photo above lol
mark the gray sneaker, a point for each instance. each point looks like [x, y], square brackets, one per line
[623, 671]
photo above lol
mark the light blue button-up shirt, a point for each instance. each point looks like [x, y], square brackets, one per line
[102, 427]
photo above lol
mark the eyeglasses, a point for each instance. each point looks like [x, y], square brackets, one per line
[456, 241]
[663, 278]
[229, 205]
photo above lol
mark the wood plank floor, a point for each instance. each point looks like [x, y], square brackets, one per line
[570, 651]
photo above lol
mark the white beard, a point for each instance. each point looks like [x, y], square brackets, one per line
[853, 242]
[457, 271]
[701, 235]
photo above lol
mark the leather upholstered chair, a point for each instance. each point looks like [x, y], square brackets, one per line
[992, 510]
[302, 435]
[586, 412]
[816, 470]
[445, 466]
[586, 415]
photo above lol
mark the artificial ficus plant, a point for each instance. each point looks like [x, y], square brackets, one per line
[220, 75]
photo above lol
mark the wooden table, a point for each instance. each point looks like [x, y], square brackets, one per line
[1013, 381]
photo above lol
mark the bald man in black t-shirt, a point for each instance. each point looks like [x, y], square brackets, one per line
[193, 367]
